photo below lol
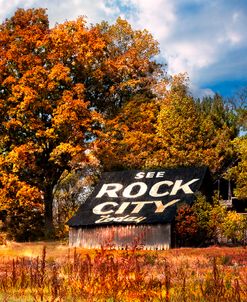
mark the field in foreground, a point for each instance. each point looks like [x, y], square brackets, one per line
[53, 272]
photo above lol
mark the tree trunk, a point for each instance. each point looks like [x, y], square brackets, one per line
[49, 230]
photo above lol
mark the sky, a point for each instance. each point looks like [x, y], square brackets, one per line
[205, 38]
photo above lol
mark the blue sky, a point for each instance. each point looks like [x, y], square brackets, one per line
[206, 39]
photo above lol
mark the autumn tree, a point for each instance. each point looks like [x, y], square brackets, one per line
[170, 130]
[239, 104]
[238, 172]
[204, 222]
[125, 68]
[72, 190]
[188, 134]
[45, 117]
[52, 84]
[128, 140]
[186, 225]
[234, 227]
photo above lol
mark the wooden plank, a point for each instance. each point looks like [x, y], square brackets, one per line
[150, 237]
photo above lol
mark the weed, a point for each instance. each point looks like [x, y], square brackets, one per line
[119, 276]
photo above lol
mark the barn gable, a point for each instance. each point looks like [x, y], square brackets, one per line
[138, 200]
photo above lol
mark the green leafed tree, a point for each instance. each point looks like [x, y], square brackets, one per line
[191, 133]
[238, 173]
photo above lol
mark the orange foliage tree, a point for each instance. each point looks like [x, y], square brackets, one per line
[186, 224]
[169, 129]
[55, 86]
[129, 139]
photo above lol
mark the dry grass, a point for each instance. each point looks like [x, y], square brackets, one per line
[55, 250]
[30, 272]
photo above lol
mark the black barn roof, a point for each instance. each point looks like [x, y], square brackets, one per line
[140, 197]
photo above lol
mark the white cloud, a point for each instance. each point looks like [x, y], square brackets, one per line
[157, 16]
[195, 36]
[201, 92]
[62, 10]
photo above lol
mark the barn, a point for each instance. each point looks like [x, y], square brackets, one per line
[131, 207]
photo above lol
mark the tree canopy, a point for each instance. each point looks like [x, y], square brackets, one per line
[77, 95]
[239, 171]
[169, 131]
[56, 87]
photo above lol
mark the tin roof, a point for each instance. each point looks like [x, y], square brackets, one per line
[139, 197]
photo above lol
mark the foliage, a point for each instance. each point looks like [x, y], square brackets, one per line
[217, 216]
[3, 238]
[202, 208]
[129, 139]
[193, 222]
[45, 118]
[188, 131]
[179, 275]
[186, 224]
[170, 130]
[239, 104]
[53, 84]
[234, 227]
[22, 203]
[203, 222]
[74, 88]
[72, 190]
[239, 172]
[126, 67]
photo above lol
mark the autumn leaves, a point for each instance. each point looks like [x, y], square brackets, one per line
[74, 88]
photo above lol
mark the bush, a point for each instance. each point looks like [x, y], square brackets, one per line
[186, 225]
[3, 238]
[204, 223]
[192, 222]
[26, 225]
[234, 227]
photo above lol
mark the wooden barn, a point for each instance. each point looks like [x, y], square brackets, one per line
[135, 208]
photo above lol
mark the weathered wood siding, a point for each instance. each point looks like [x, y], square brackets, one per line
[149, 237]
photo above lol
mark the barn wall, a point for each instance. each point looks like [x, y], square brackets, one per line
[151, 237]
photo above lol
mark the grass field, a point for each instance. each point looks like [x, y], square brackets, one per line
[51, 271]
